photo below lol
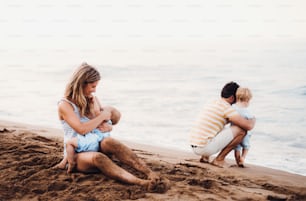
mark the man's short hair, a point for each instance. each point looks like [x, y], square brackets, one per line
[229, 90]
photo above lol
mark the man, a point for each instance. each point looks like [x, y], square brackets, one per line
[209, 135]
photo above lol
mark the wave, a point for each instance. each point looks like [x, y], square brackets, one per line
[301, 90]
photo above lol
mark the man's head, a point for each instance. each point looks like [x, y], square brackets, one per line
[229, 92]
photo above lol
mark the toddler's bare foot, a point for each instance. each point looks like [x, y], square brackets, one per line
[241, 162]
[71, 167]
[204, 159]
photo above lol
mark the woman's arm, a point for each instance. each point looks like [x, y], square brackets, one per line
[104, 126]
[66, 113]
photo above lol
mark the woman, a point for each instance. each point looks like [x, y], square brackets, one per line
[78, 114]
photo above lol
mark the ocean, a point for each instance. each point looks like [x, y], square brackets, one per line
[160, 103]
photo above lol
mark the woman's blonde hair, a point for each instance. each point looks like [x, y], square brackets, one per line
[74, 91]
[243, 94]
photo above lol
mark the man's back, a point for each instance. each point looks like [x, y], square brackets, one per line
[212, 120]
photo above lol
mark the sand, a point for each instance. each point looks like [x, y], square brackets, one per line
[28, 153]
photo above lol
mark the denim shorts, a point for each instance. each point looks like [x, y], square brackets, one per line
[245, 144]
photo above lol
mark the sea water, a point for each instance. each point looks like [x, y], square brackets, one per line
[159, 103]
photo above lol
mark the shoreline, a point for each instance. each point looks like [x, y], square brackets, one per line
[28, 153]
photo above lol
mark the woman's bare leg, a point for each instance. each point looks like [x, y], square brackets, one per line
[88, 161]
[126, 155]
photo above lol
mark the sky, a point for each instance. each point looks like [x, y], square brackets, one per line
[132, 32]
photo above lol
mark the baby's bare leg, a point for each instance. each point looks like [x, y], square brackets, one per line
[244, 152]
[237, 157]
[71, 145]
[242, 158]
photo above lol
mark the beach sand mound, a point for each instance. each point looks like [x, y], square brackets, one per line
[26, 173]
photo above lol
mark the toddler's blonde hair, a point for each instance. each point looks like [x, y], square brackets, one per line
[243, 94]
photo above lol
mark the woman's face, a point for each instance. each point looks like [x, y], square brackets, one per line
[90, 88]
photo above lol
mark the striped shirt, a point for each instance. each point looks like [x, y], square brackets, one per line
[214, 117]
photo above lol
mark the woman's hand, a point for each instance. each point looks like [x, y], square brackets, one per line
[105, 127]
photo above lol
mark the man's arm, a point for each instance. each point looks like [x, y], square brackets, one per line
[246, 124]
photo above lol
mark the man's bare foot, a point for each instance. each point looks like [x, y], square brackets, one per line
[204, 159]
[219, 163]
[71, 167]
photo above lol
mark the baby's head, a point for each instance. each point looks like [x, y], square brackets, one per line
[116, 115]
[243, 94]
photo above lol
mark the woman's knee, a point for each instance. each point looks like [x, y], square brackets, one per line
[103, 163]
[86, 161]
[113, 146]
[108, 144]
[91, 161]
[99, 158]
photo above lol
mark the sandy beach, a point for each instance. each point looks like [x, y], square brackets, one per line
[28, 153]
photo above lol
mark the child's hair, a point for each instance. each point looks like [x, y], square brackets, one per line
[243, 94]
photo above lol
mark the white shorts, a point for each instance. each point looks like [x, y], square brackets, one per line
[216, 144]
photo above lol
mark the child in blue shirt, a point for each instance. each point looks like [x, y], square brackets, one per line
[243, 96]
